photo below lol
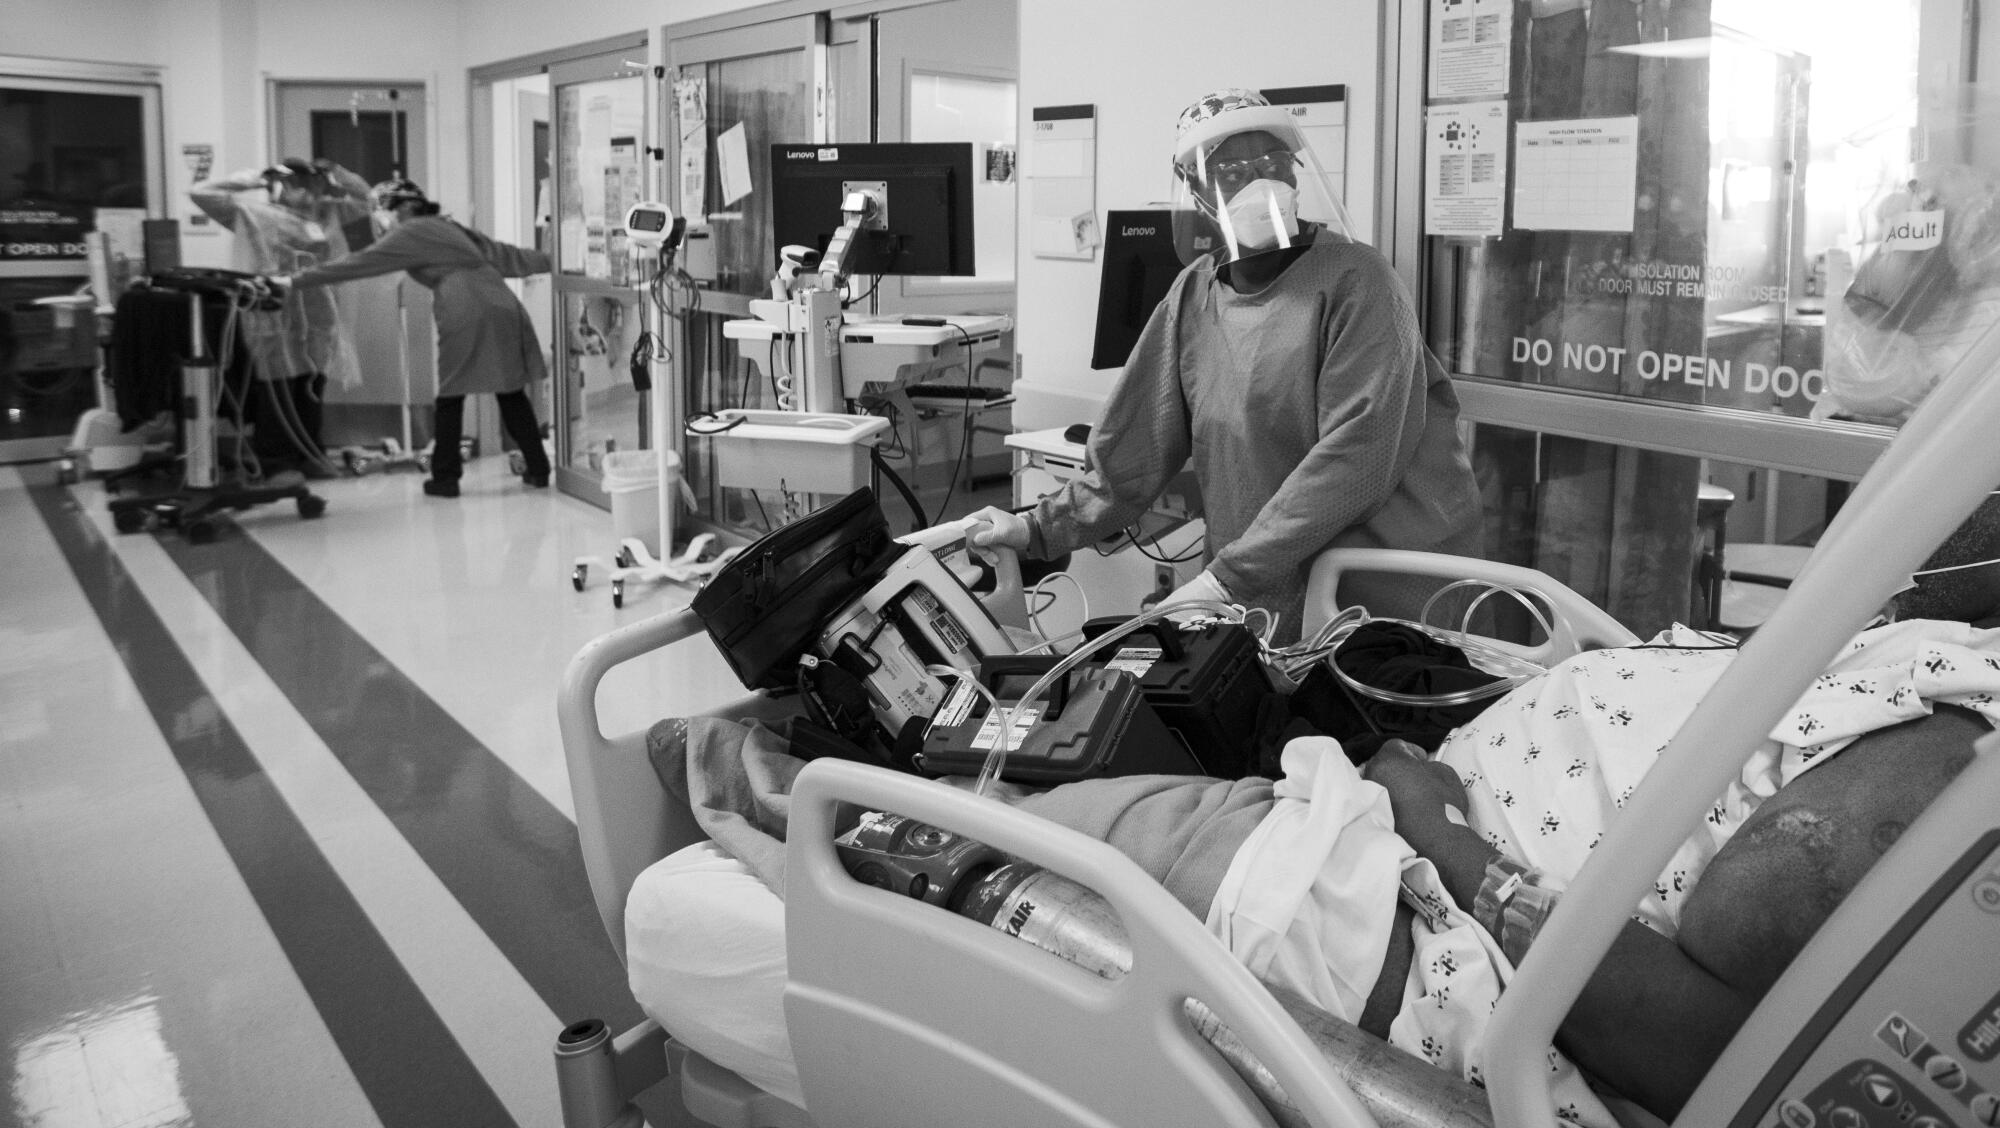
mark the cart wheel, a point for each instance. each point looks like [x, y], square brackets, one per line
[199, 532]
[625, 559]
[167, 516]
[424, 463]
[66, 472]
[618, 593]
[128, 520]
[517, 463]
[468, 449]
[311, 505]
[578, 575]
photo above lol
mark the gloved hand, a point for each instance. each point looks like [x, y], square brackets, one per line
[1204, 586]
[993, 526]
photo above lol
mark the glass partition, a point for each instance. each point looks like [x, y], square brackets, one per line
[76, 156]
[1776, 220]
[598, 137]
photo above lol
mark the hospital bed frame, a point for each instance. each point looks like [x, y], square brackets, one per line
[880, 1026]
[884, 1040]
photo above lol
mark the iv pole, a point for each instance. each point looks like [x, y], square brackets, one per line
[393, 453]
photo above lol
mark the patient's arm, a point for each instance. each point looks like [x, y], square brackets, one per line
[1658, 1012]
[1650, 1020]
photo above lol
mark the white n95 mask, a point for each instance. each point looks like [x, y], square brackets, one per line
[1262, 215]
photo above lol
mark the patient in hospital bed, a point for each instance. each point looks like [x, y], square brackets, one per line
[1400, 895]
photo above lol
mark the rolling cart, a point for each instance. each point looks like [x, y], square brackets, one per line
[203, 495]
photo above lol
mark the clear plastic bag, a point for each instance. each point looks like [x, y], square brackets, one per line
[1924, 286]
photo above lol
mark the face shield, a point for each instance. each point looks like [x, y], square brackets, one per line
[1246, 185]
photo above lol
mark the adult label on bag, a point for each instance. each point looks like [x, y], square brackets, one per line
[1915, 231]
[1134, 660]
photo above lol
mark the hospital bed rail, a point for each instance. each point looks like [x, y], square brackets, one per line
[1938, 469]
[625, 822]
[998, 1031]
[1577, 623]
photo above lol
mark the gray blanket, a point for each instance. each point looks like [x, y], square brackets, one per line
[1182, 830]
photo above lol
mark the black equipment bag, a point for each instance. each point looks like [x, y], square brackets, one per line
[765, 607]
[1205, 681]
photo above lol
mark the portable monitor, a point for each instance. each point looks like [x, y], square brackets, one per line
[649, 224]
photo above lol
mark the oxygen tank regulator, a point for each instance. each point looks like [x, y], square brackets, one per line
[976, 881]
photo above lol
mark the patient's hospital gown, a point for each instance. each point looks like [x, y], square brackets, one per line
[1549, 766]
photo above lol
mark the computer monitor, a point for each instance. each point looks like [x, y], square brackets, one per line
[1140, 264]
[926, 190]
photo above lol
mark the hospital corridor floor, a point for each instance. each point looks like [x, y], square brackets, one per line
[285, 829]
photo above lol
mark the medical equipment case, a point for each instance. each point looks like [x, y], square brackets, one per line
[1093, 722]
[916, 615]
[1205, 681]
[766, 606]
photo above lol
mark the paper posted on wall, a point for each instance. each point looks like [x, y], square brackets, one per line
[1465, 169]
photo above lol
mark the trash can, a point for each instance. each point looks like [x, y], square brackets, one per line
[633, 479]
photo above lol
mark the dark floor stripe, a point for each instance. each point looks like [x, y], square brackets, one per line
[408, 1064]
[510, 857]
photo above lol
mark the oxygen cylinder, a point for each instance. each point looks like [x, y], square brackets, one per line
[1049, 911]
[976, 881]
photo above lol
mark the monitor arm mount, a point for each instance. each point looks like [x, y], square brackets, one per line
[859, 210]
[817, 309]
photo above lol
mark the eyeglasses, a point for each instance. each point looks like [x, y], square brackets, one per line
[1232, 175]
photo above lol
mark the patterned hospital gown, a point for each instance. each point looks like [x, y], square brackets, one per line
[1549, 765]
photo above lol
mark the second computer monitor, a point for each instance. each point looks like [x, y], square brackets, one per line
[927, 203]
[1140, 265]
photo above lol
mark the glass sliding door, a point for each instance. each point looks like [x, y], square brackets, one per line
[76, 155]
[731, 94]
[599, 136]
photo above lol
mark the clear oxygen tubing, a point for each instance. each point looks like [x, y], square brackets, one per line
[1034, 622]
[1293, 661]
[989, 771]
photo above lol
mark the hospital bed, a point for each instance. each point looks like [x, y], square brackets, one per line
[901, 1014]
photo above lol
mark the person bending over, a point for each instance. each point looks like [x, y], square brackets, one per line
[486, 343]
[287, 218]
[1285, 361]
[1387, 896]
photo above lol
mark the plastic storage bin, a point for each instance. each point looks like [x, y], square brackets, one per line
[633, 479]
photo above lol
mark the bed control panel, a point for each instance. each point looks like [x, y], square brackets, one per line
[1911, 1037]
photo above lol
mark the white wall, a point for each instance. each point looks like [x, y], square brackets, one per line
[1139, 64]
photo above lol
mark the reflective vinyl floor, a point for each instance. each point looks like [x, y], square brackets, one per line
[285, 831]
